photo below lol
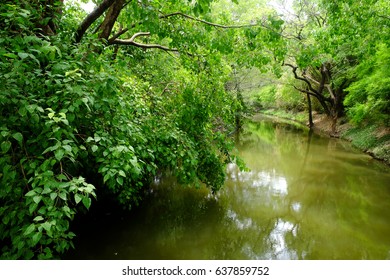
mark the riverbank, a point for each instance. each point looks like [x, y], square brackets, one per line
[370, 138]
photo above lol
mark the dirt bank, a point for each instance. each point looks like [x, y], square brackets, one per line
[370, 138]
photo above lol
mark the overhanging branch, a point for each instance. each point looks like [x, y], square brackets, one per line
[123, 31]
[138, 35]
[207, 22]
[145, 46]
[141, 45]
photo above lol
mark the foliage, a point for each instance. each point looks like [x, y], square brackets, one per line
[84, 120]
[360, 37]
[266, 96]
[369, 96]
[287, 97]
[338, 54]
[42, 98]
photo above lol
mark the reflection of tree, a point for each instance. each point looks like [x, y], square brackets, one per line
[328, 211]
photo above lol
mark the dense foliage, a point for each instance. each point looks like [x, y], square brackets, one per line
[337, 52]
[83, 118]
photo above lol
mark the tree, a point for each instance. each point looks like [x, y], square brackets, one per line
[328, 42]
[307, 57]
[96, 105]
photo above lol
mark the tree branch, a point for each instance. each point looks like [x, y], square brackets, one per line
[305, 91]
[207, 22]
[141, 45]
[320, 98]
[91, 18]
[121, 32]
[138, 35]
[295, 68]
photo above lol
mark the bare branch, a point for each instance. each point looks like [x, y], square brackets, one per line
[328, 86]
[131, 40]
[207, 22]
[311, 79]
[142, 45]
[305, 91]
[139, 34]
[295, 68]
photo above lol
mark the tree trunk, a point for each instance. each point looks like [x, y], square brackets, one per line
[109, 21]
[311, 124]
[91, 18]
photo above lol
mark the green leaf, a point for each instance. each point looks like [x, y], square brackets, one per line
[59, 154]
[62, 195]
[30, 193]
[48, 254]
[18, 136]
[42, 210]
[119, 180]
[37, 199]
[87, 202]
[106, 177]
[10, 55]
[5, 220]
[5, 146]
[46, 190]
[77, 198]
[46, 225]
[36, 237]
[30, 229]
[66, 209]
[22, 111]
[67, 148]
[61, 177]
[53, 196]
[122, 173]
[32, 207]
[23, 55]
[21, 244]
[94, 148]
[38, 218]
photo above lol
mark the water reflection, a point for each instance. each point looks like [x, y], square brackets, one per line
[262, 179]
[305, 197]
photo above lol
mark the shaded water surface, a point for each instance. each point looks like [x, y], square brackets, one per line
[305, 197]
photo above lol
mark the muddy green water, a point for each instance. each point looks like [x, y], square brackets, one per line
[305, 197]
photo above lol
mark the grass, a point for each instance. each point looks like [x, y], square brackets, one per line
[368, 138]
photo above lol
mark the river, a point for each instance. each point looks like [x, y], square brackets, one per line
[304, 197]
